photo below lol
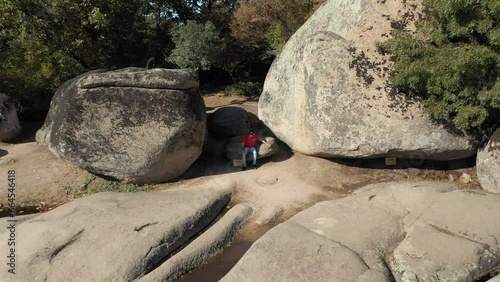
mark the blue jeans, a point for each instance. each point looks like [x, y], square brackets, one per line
[244, 155]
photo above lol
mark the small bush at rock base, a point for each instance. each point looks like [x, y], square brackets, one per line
[246, 89]
[91, 186]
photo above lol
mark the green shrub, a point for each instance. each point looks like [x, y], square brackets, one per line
[197, 46]
[90, 186]
[246, 89]
[453, 63]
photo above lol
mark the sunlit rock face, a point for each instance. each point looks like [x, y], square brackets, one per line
[135, 125]
[328, 93]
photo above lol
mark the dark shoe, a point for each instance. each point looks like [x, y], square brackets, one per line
[254, 166]
[244, 168]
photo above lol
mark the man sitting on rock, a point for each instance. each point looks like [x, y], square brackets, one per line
[248, 145]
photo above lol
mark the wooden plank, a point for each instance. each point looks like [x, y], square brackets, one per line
[390, 161]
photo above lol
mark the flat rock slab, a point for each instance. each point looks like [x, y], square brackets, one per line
[407, 231]
[111, 236]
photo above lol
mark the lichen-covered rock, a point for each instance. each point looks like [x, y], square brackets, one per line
[135, 125]
[10, 127]
[229, 122]
[328, 93]
[488, 164]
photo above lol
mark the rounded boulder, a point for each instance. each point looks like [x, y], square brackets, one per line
[135, 125]
[10, 127]
[329, 94]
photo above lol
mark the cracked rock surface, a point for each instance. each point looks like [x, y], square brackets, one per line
[135, 125]
[403, 231]
[111, 236]
[204, 246]
[328, 93]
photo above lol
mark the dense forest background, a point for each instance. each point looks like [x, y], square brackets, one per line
[43, 43]
[452, 63]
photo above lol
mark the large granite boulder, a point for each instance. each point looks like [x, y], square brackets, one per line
[488, 164]
[111, 236]
[135, 125]
[10, 127]
[328, 93]
[408, 231]
[229, 122]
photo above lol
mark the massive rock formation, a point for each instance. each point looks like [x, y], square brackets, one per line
[488, 164]
[10, 127]
[328, 93]
[409, 231]
[115, 236]
[135, 125]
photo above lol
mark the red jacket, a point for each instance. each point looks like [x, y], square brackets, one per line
[249, 140]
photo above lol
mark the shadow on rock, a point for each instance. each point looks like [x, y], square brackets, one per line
[220, 265]
[3, 153]
[213, 159]
[380, 163]
[27, 135]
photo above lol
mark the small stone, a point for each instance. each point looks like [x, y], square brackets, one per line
[451, 177]
[465, 178]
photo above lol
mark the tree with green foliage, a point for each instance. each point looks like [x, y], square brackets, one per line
[197, 46]
[210, 21]
[45, 43]
[453, 64]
